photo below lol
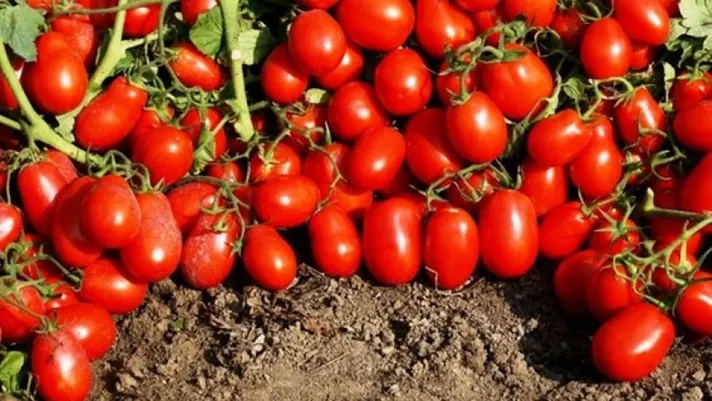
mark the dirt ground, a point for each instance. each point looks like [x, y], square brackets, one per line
[353, 340]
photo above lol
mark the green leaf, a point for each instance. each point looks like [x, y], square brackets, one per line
[697, 16]
[207, 33]
[66, 126]
[19, 27]
[317, 96]
[254, 45]
[205, 152]
[11, 371]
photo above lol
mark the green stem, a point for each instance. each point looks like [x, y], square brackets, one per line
[650, 210]
[9, 122]
[109, 10]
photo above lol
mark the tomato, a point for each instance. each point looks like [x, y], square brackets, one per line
[606, 50]
[546, 187]
[194, 69]
[688, 90]
[232, 172]
[90, 325]
[571, 279]
[60, 367]
[642, 57]
[509, 240]
[402, 182]
[606, 240]
[109, 117]
[449, 85]
[313, 117]
[7, 98]
[468, 193]
[646, 23]
[564, 230]
[107, 284]
[57, 82]
[632, 344]
[638, 114]
[694, 307]
[39, 184]
[281, 78]
[557, 140]
[141, 21]
[166, 152]
[527, 76]
[690, 130]
[274, 161]
[487, 20]
[349, 69]
[440, 25]
[610, 291]
[63, 163]
[569, 25]
[599, 167]
[392, 241]
[666, 231]
[155, 252]
[10, 224]
[696, 191]
[45, 269]
[316, 42]
[102, 20]
[403, 83]
[269, 259]
[477, 129]
[187, 200]
[207, 257]
[429, 154]
[192, 9]
[672, 7]
[16, 325]
[538, 13]
[477, 5]
[375, 158]
[451, 247]
[150, 119]
[363, 22]
[194, 121]
[285, 202]
[335, 242]
[353, 110]
[80, 35]
[62, 294]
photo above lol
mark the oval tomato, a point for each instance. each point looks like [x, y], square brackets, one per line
[403, 83]
[468, 193]
[569, 25]
[646, 23]
[63, 163]
[316, 42]
[90, 325]
[194, 121]
[268, 258]
[694, 307]
[187, 200]
[538, 13]
[349, 69]
[141, 21]
[10, 224]
[609, 291]
[641, 120]
[571, 280]
[606, 50]
[546, 187]
[429, 154]
[80, 35]
[39, 184]
[335, 242]
[440, 25]
[285, 202]
[477, 5]
[692, 131]
[451, 247]
[110, 214]
[16, 324]
[106, 284]
[166, 152]
[150, 119]
[363, 22]
[487, 20]
[477, 129]
[281, 79]
[642, 57]
[274, 161]
[353, 110]
[194, 69]
[375, 158]
[62, 294]
[192, 9]
[599, 167]
[450, 84]
[687, 91]
[696, 192]
[557, 140]
[207, 257]
[60, 367]
[564, 230]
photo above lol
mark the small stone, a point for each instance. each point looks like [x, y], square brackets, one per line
[695, 394]
[202, 384]
[388, 350]
[699, 375]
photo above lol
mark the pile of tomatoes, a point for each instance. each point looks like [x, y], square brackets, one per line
[422, 137]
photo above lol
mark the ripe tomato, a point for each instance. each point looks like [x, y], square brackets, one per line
[604, 238]
[16, 325]
[194, 121]
[666, 231]
[570, 26]
[692, 131]
[349, 69]
[57, 82]
[646, 23]
[402, 182]
[696, 192]
[429, 154]
[207, 257]
[375, 158]
[606, 50]
[45, 269]
[564, 230]
[107, 284]
[468, 193]
[192, 9]
[194, 69]
[316, 42]
[403, 83]
[39, 184]
[546, 187]
[687, 91]
[335, 242]
[166, 152]
[538, 13]
[282, 80]
[150, 119]
[7, 98]
[451, 248]
[610, 291]
[313, 117]
[285, 202]
[509, 240]
[62, 294]
[440, 25]
[102, 20]
[60, 367]
[109, 117]
[638, 114]
[320, 4]
[477, 5]
[694, 307]
[90, 325]
[110, 215]
[363, 22]
[187, 200]
[571, 280]
[274, 161]
[80, 35]
[10, 224]
[392, 241]
[527, 76]
[155, 252]
[477, 129]
[268, 258]
[632, 344]
[486, 20]
[599, 167]
[63, 163]
[557, 140]
[642, 57]
[353, 110]
[141, 21]
[448, 85]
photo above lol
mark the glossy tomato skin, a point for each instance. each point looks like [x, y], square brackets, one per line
[571, 280]
[691, 130]
[604, 239]
[546, 187]
[632, 344]
[468, 193]
[155, 252]
[193, 122]
[285, 202]
[107, 284]
[602, 156]
[429, 154]
[353, 110]
[538, 13]
[375, 158]
[17, 325]
[166, 152]
[477, 129]
[349, 69]
[696, 191]
[528, 77]
[110, 214]
[316, 42]
[440, 24]
[392, 238]
[268, 258]
[10, 224]
[509, 239]
[610, 291]
[7, 98]
[486, 20]
[448, 85]
[192, 9]
[694, 308]
[642, 57]
[39, 184]
[646, 23]
[688, 90]
[195, 69]
[313, 117]
[207, 257]
[641, 112]
[451, 247]
[318, 4]
[90, 325]
[282, 80]
[150, 119]
[282, 161]
[187, 201]
[403, 83]
[335, 242]
[57, 82]
[606, 50]
[570, 26]
[61, 367]
[363, 22]
[141, 21]
[564, 230]
[80, 35]
[63, 163]
[557, 140]
[62, 295]
[477, 5]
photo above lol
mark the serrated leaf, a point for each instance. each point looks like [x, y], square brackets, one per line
[254, 45]
[207, 33]
[19, 27]
[66, 126]
[205, 151]
[317, 96]
[10, 371]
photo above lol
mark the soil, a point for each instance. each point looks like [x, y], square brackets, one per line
[350, 339]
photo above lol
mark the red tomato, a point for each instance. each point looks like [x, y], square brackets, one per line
[194, 69]
[537, 12]
[60, 367]
[271, 162]
[557, 140]
[155, 252]
[316, 42]
[451, 248]
[80, 35]
[207, 257]
[45, 269]
[62, 294]
[150, 119]
[606, 50]
[16, 325]
[282, 80]
[694, 307]
[110, 215]
[527, 76]
[402, 182]
[313, 117]
[167, 152]
[429, 154]
[285, 202]
[63, 163]
[477, 129]
[335, 242]
[632, 344]
[91, 325]
[564, 230]
[509, 240]
[666, 231]
[569, 25]
[39, 184]
[571, 279]
[320, 4]
[353, 110]
[605, 239]
[696, 192]
[639, 114]
[375, 158]
[610, 291]
[363, 22]
[106, 284]
[187, 200]
[57, 82]
[194, 121]
[268, 258]
[486, 20]
[392, 241]
[7, 98]
[642, 57]
[468, 193]
[10, 224]
[192, 9]
[45, 5]
[687, 91]
[672, 7]
[477, 5]
[440, 25]
[403, 83]
[647, 23]
[102, 20]
[599, 167]
[349, 70]
[141, 21]
[546, 187]
[448, 85]
[691, 130]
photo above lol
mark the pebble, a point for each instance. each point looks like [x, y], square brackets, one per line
[695, 394]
